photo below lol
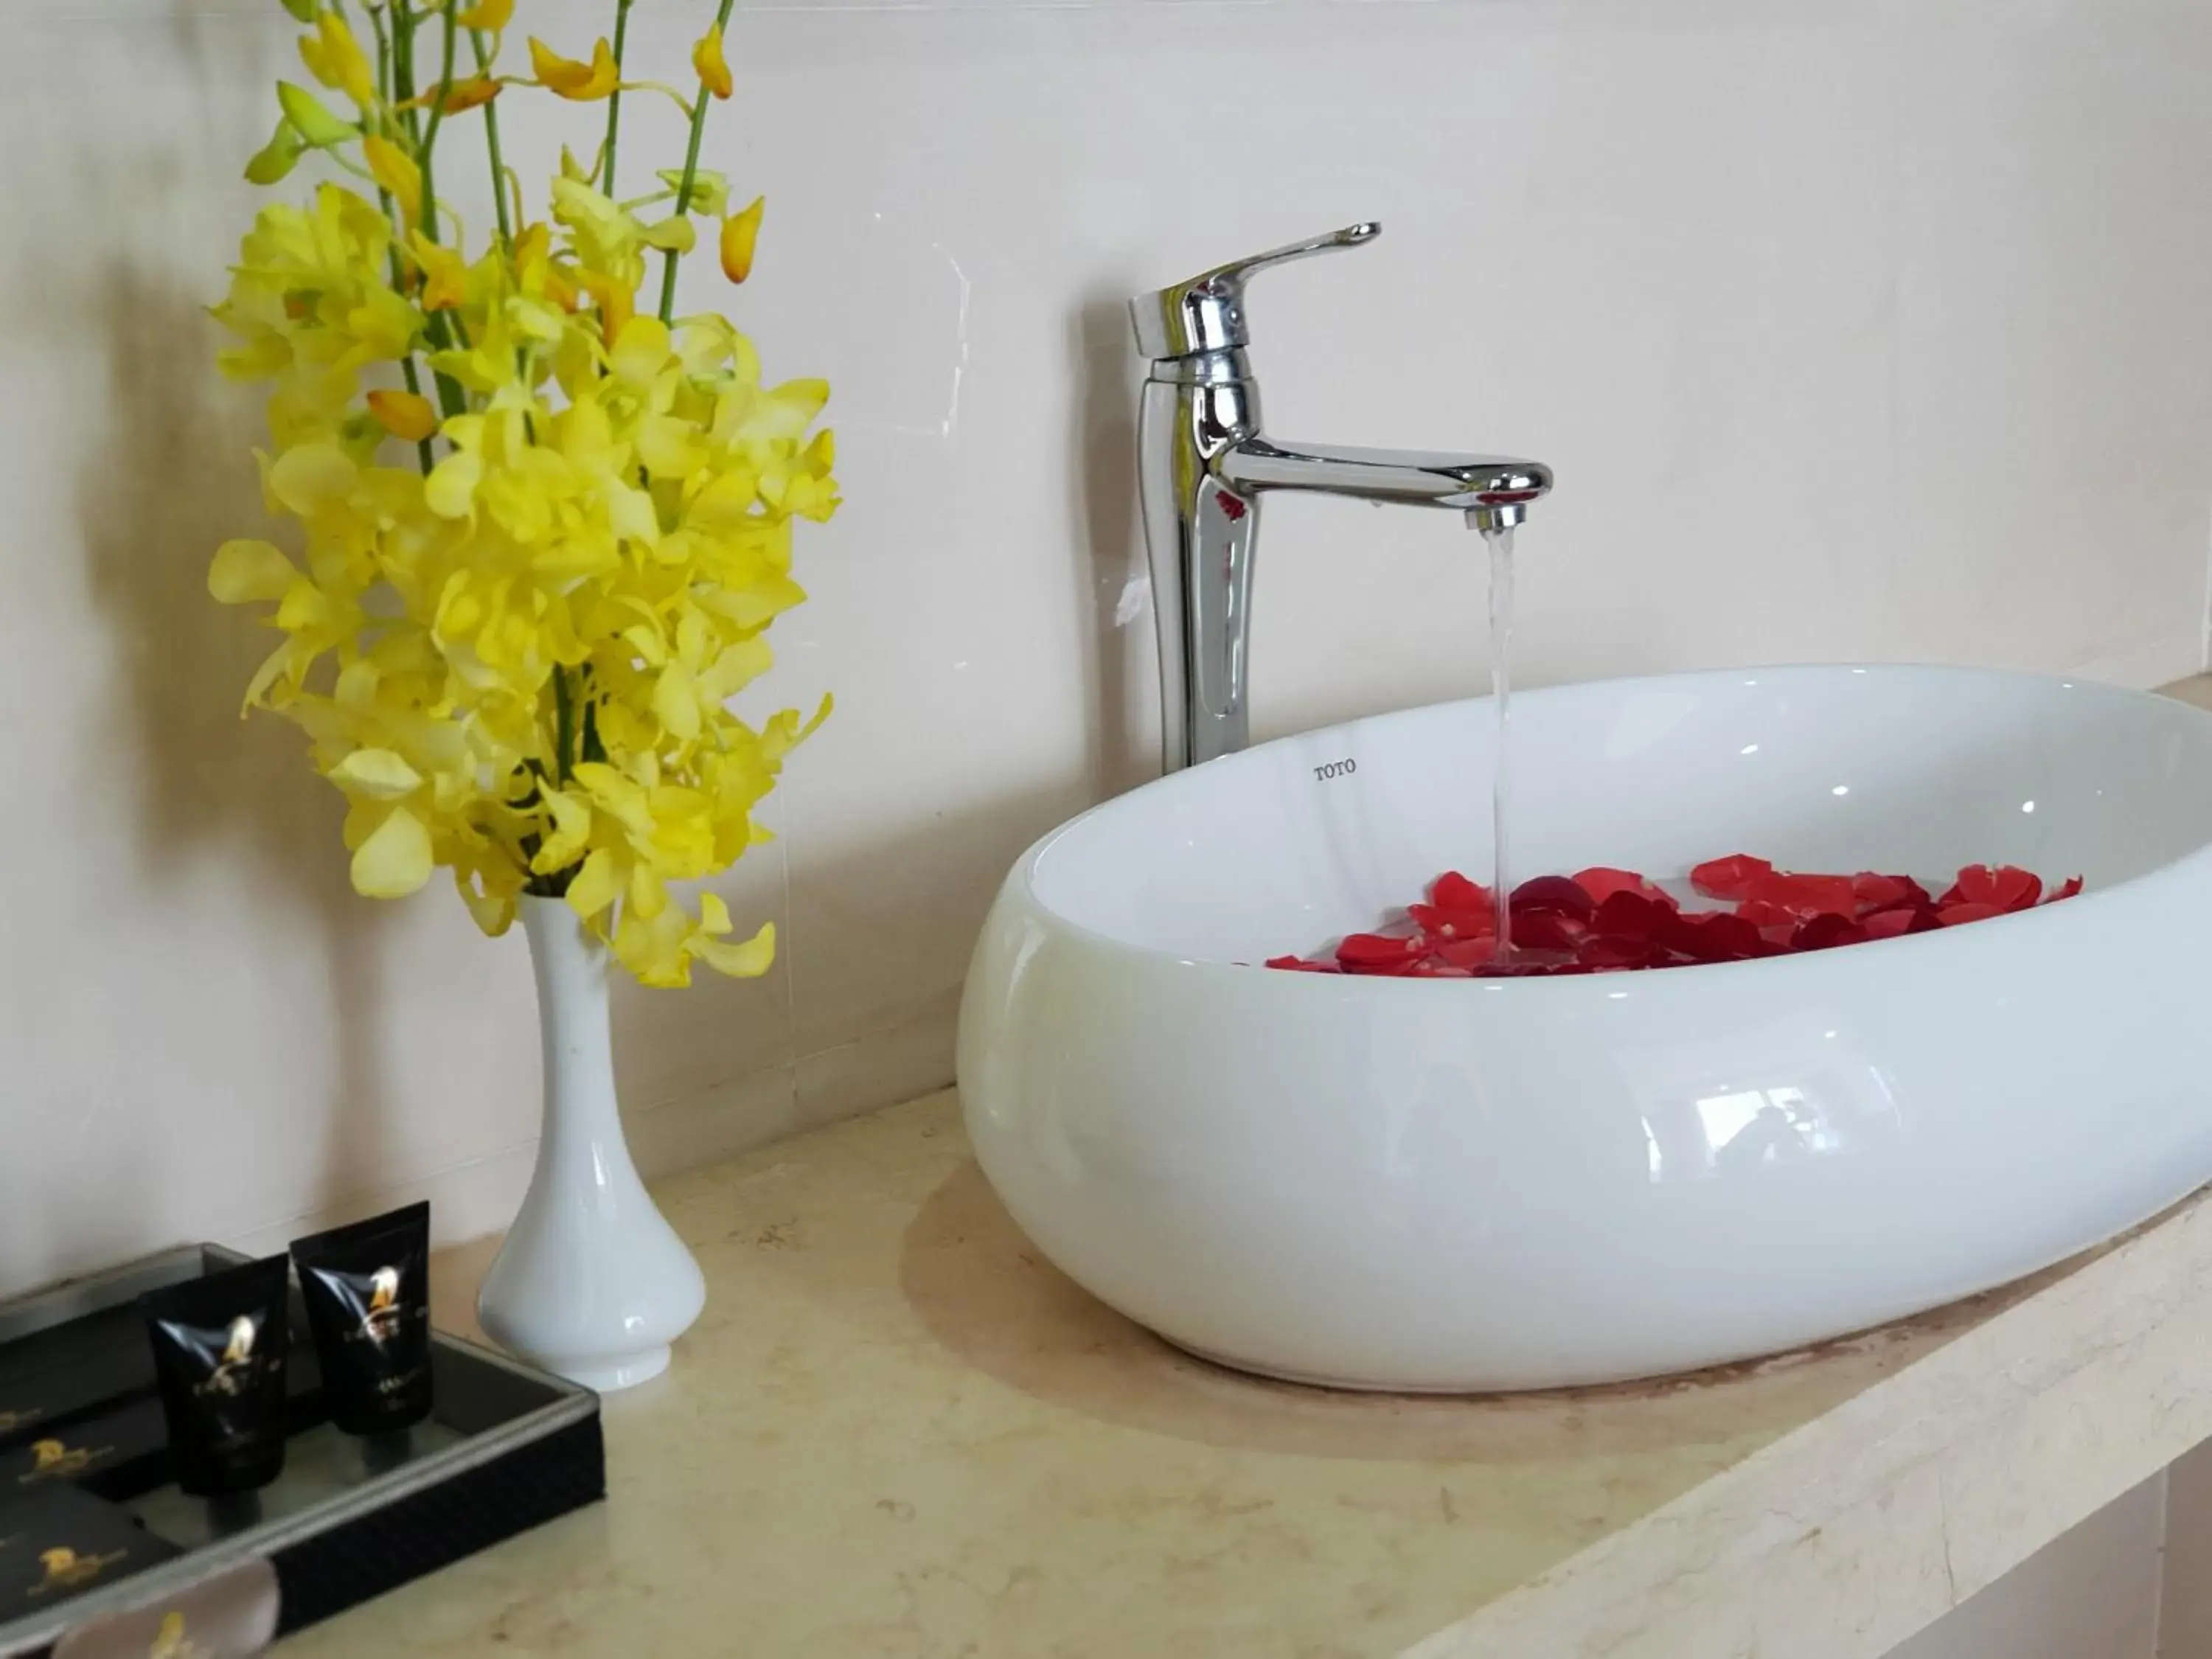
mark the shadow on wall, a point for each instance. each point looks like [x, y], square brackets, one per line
[1120, 665]
[172, 478]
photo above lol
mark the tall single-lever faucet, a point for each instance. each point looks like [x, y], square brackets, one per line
[1203, 464]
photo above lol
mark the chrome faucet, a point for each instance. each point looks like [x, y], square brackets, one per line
[1203, 465]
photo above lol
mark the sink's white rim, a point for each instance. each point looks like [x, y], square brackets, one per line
[2128, 890]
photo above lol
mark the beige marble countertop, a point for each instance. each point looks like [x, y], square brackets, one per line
[897, 1432]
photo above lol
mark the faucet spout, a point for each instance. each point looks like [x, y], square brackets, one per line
[1495, 484]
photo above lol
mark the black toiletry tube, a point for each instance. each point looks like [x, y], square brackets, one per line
[368, 1291]
[219, 1346]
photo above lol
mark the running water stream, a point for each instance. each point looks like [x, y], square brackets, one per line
[1499, 539]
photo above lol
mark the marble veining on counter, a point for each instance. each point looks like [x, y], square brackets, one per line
[897, 1432]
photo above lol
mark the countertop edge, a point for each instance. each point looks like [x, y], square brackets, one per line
[1854, 1532]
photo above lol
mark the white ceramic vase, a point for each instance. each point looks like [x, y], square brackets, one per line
[592, 1282]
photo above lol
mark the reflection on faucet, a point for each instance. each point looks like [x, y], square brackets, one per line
[1203, 465]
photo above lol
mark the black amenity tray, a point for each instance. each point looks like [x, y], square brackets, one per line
[507, 1447]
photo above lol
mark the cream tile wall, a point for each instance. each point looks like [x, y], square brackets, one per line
[1853, 329]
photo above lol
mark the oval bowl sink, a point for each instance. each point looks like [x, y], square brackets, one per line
[1463, 1185]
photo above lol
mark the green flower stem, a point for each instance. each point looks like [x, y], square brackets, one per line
[564, 725]
[614, 97]
[690, 172]
[451, 398]
[491, 142]
[383, 49]
[402, 72]
[430, 137]
[407, 371]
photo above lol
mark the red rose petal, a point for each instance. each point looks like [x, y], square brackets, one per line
[1626, 914]
[1952, 916]
[1605, 920]
[1430, 968]
[1601, 882]
[1712, 936]
[1545, 930]
[1439, 923]
[1369, 951]
[1826, 931]
[1803, 895]
[1552, 895]
[1877, 891]
[2006, 886]
[1765, 913]
[1467, 952]
[1453, 891]
[1730, 877]
[1601, 952]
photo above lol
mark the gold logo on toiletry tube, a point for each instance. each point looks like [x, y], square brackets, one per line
[235, 1370]
[170, 1642]
[380, 1322]
[52, 1459]
[65, 1568]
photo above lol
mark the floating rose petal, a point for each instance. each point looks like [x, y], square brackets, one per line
[1730, 877]
[1628, 915]
[1602, 884]
[1545, 930]
[1554, 895]
[1615, 952]
[1953, 915]
[1467, 952]
[1762, 913]
[1826, 931]
[1371, 952]
[1715, 936]
[1439, 923]
[1804, 896]
[2006, 886]
[1453, 891]
[1608, 921]
[1880, 892]
[1891, 924]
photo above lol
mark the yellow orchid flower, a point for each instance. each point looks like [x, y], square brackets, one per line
[310, 117]
[740, 231]
[519, 664]
[406, 415]
[713, 71]
[335, 58]
[395, 171]
[710, 190]
[465, 95]
[276, 158]
[582, 83]
[445, 275]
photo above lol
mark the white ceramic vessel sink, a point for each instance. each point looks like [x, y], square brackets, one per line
[1454, 1184]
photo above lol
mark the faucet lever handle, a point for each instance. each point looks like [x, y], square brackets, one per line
[1206, 314]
